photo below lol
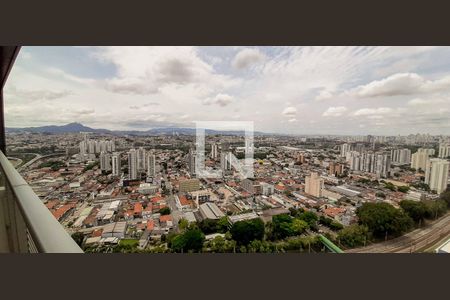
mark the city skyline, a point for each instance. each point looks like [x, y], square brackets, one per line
[292, 90]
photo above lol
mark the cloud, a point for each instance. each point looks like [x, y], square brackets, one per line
[372, 111]
[147, 70]
[334, 111]
[144, 105]
[32, 95]
[293, 120]
[289, 111]
[246, 58]
[324, 95]
[421, 102]
[401, 84]
[84, 111]
[220, 99]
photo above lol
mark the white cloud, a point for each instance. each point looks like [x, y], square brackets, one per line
[289, 111]
[372, 111]
[334, 111]
[324, 95]
[31, 95]
[401, 84]
[220, 99]
[146, 70]
[293, 120]
[428, 101]
[247, 57]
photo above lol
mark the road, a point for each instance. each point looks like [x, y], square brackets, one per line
[177, 215]
[38, 157]
[415, 241]
[15, 161]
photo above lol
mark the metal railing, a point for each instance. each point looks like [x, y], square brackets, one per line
[26, 225]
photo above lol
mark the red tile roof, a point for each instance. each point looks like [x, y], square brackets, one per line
[156, 199]
[150, 225]
[137, 208]
[62, 210]
[334, 211]
[184, 200]
[97, 232]
[165, 218]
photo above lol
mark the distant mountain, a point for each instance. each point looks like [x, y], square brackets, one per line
[77, 127]
[68, 128]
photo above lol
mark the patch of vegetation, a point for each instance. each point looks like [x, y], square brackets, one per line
[54, 165]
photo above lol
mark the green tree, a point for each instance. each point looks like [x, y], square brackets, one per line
[354, 236]
[164, 211]
[436, 208]
[332, 224]
[403, 189]
[222, 225]
[415, 209]
[390, 186]
[191, 240]
[383, 218]
[243, 232]
[221, 245]
[78, 237]
[208, 226]
[281, 227]
[299, 226]
[183, 224]
[309, 217]
[446, 197]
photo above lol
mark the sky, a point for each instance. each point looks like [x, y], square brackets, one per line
[293, 90]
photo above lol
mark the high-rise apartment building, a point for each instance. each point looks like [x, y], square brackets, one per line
[420, 158]
[151, 165]
[105, 161]
[401, 156]
[344, 149]
[91, 146]
[83, 150]
[132, 164]
[314, 185]
[191, 162]
[116, 164]
[214, 151]
[444, 150]
[335, 169]
[429, 151]
[141, 157]
[436, 174]
[383, 165]
[376, 163]
[225, 161]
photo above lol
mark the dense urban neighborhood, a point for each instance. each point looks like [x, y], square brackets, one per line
[142, 192]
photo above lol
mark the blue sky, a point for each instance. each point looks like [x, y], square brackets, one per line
[297, 90]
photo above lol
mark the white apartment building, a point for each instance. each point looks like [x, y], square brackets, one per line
[105, 161]
[116, 164]
[436, 174]
[132, 164]
[151, 165]
[444, 150]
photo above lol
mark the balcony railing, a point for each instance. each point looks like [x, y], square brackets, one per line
[26, 225]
